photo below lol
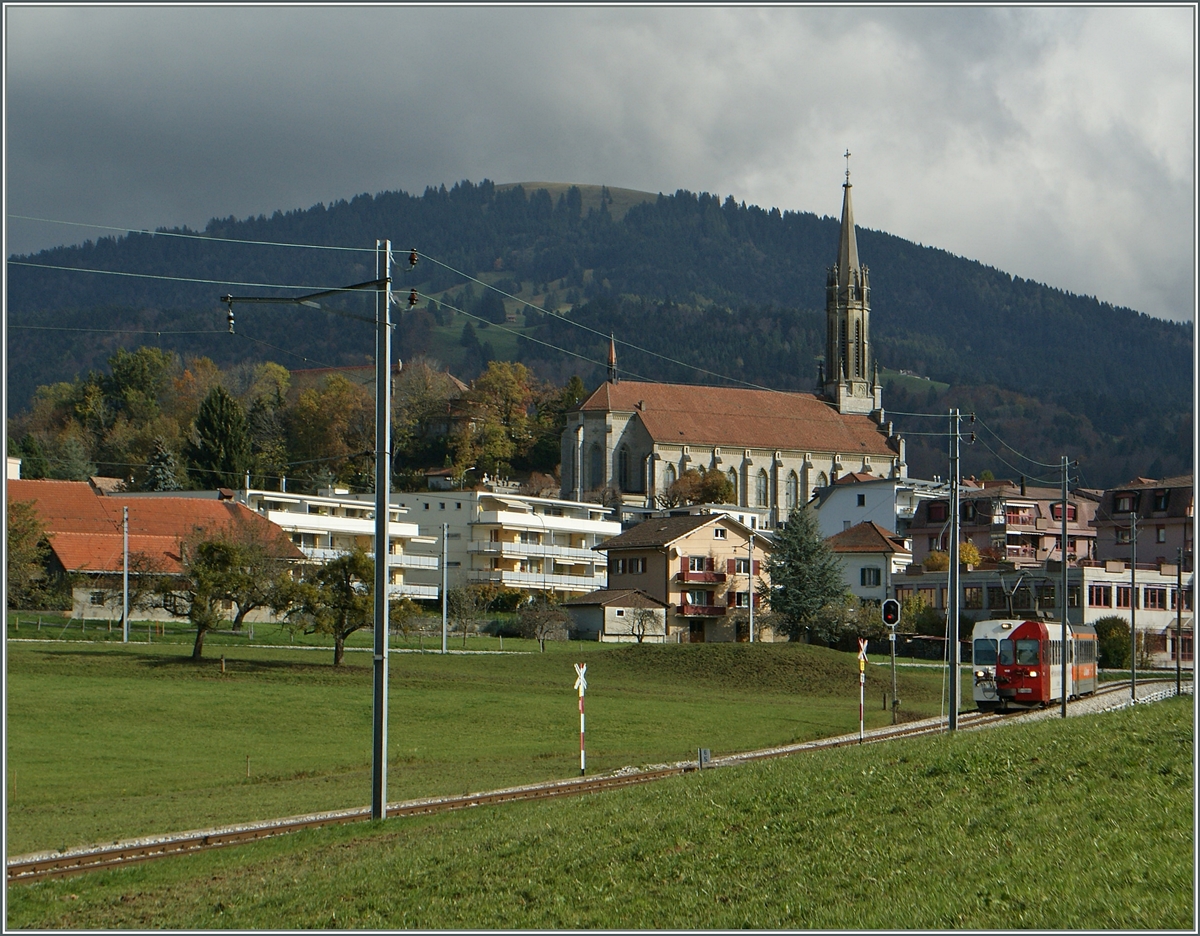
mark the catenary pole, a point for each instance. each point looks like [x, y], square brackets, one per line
[445, 599]
[953, 649]
[1179, 620]
[750, 577]
[1062, 552]
[125, 575]
[383, 474]
[1133, 606]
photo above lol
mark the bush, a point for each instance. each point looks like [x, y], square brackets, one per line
[1112, 635]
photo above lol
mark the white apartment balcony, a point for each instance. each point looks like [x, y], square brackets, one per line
[575, 553]
[548, 581]
[398, 561]
[292, 521]
[514, 520]
[407, 590]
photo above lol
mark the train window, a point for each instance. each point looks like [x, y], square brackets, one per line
[1006, 653]
[985, 652]
[1027, 652]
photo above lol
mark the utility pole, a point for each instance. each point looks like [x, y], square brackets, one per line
[1063, 556]
[125, 576]
[952, 611]
[750, 577]
[1133, 607]
[445, 537]
[383, 484]
[1179, 620]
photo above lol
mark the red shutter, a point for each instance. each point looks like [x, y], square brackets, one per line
[754, 568]
[730, 596]
[709, 564]
[755, 599]
[730, 566]
[683, 568]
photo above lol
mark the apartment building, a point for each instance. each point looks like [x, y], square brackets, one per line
[1165, 525]
[706, 568]
[533, 544]
[890, 503]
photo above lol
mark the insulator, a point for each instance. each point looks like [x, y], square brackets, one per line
[230, 318]
[412, 298]
[972, 438]
[412, 258]
[972, 419]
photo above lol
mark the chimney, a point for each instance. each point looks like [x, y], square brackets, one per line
[1022, 485]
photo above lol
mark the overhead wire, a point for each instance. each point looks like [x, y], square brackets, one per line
[1032, 461]
[203, 237]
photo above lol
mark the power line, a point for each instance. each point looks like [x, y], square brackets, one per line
[1013, 450]
[119, 331]
[203, 237]
[184, 279]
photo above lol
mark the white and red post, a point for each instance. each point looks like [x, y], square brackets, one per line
[862, 684]
[581, 685]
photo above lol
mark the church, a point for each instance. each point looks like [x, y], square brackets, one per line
[777, 448]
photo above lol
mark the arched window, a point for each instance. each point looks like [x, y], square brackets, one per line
[623, 469]
[761, 489]
[596, 468]
[669, 477]
[733, 497]
[822, 480]
[792, 492]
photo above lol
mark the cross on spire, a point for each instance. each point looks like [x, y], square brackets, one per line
[847, 155]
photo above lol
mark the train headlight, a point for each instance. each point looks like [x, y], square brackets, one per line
[979, 674]
[1033, 674]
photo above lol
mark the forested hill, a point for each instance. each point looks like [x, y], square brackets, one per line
[732, 288]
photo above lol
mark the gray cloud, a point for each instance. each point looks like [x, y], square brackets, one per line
[1053, 143]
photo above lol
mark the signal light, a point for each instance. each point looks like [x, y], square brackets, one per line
[891, 612]
[412, 298]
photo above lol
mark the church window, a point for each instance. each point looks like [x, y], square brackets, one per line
[596, 468]
[623, 469]
[792, 492]
[822, 480]
[858, 350]
[760, 491]
[669, 476]
[733, 483]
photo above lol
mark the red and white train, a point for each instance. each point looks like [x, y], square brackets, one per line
[1018, 664]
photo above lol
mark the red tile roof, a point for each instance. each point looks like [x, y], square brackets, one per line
[867, 537]
[85, 529]
[741, 418]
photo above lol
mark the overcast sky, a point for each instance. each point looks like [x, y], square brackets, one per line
[1055, 144]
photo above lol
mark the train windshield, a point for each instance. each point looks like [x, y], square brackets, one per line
[1027, 651]
[1006, 653]
[985, 651]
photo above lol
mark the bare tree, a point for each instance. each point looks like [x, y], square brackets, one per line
[466, 605]
[542, 619]
[643, 621]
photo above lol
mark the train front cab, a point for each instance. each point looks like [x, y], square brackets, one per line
[985, 648]
[1029, 667]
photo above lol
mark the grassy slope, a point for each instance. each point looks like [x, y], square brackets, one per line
[1052, 825]
[108, 741]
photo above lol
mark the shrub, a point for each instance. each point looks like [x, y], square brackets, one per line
[1112, 635]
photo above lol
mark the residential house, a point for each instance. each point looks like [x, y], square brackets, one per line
[856, 498]
[871, 557]
[621, 615]
[707, 568]
[1165, 521]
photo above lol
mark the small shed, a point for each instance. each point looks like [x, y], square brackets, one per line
[614, 615]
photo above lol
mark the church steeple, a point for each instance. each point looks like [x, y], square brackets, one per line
[848, 361]
[612, 359]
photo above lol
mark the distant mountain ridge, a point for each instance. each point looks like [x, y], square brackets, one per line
[735, 289]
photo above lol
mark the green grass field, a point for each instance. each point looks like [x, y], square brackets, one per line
[110, 741]
[1078, 824]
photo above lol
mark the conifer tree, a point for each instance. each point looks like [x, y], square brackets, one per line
[805, 574]
[221, 454]
[162, 472]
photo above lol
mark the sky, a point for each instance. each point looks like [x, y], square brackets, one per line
[1056, 144]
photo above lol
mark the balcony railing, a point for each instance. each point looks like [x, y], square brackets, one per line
[537, 579]
[690, 610]
[409, 561]
[414, 591]
[686, 575]
[491, 548]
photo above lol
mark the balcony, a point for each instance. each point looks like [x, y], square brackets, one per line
[548, 581]
[409, 561]
[705, 611]
[708, 575]
[406, 590]
[490, 548]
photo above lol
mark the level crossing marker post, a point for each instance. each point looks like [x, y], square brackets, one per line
[862, 683]
[581, 685]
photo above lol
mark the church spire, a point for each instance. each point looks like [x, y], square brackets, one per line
[848, 245]
[612, 359]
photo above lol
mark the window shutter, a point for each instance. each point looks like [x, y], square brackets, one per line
[754, 569]
[755, 599]
[730, 566]
[730, 596]
[709, 564]
[683, 567]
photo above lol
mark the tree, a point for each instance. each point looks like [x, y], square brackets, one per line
[27, 550]
[936, 561]
[968, 554]
[403, 616]
[337, 599]
[919, 617]
[842, 622]
[220, 454]
[1112, 635]
[805, 575]
[162, 472]
[542, 619]
[642, 621]
[198, 591]
[466, 604]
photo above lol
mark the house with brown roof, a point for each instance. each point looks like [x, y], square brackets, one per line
[1165, 512]
[618, 615]
[708, 570]
[85, 530]
[871, 557]
[777, 448]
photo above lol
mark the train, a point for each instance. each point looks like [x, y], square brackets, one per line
[1018, 664]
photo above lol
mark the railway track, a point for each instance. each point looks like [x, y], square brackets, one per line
[34, 867]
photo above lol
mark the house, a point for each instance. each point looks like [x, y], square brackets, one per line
[871, 557]
[85, 529]
[777, 448]
[707, 568]
[1165, 514]
[1008, 521]
[859, 498]
[619, 615]
[532, 544]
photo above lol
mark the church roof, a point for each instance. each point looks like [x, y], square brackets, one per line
[740, 418]
[848, 245]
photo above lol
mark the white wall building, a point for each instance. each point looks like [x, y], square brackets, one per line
[889, 502]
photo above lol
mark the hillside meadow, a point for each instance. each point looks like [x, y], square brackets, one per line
[109, 741]
[1085, 824]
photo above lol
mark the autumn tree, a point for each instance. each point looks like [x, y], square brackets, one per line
[335, 422]
[26, 552]
[337, 599]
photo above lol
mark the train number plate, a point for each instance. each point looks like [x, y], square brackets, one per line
[1024, 690]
